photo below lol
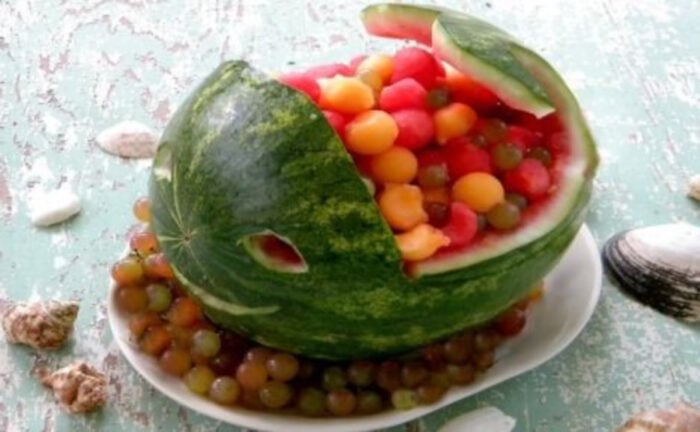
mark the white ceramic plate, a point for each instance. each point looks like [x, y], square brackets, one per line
[571, 293]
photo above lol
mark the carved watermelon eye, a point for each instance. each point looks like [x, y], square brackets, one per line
[275, 252]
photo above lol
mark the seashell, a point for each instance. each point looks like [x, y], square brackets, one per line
[43, 324]
[78, 388]
[694, 187]
[681, 418]
[54, 207]
[128, 139]
[659, 266]
[488, 418]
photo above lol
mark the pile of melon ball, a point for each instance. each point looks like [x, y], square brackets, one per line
[444, 157]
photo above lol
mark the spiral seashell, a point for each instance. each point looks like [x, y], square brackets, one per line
[42, 324]
[78, 388]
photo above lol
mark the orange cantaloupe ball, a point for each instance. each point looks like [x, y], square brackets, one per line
[479, 191]
[395, 165]
[420, 242]
[452, 121]
[347, 95]
[402, 206]
[371, 132]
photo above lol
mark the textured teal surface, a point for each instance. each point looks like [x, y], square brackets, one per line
[70, 69]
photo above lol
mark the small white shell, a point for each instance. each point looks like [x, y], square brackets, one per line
[129, 139]
[694, 187]
[53, 207]
[489, 419]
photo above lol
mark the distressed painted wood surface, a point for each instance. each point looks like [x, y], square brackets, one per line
[68, 69]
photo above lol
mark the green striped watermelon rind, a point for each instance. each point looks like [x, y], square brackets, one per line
[245, 154]
[476, 47]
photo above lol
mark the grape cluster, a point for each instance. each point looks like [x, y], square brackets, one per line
[230, 370]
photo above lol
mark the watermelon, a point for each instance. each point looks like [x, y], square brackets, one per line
[246, 156]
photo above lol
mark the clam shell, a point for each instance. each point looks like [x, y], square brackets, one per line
[129, 139]
[659, 266]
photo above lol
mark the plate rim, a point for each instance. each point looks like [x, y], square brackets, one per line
[245, 418]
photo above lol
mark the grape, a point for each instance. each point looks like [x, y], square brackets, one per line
[143, 320]
[127, 271]
[155, 340]
[404, 399]
[433, 356]
[438, 98]
[258, 354]
[234, 343]
[440, 378]
[494, 130]
[251, 400]
[144, 243]
[481, 222]
[182, 336]
[156, 266]
[131, 299]
[478, 141]
[142, 209]
[506, 156]
[361, 373]
[433, 175]
[461, 374]
[224, 364]
[484, 359]
[175, 361]
[199, 379]
[389, 375]
[311, 401]
[205, 343]
[159, 297]
[251, 375]
[282, 366]
[515, 198]
[306, 369]
[275, 394]
[486, 340]
[438, 213]
[430, 393]
[458, 349]
[503, 216]
[224, 390]
[333, 378]
[341, 402]
[413, 374]
[541, 154]
[369, 402]
[511, 322]
[184, 312]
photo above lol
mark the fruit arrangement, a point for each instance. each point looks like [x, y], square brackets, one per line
[365, 209]
[169, 325]
[354, 213]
